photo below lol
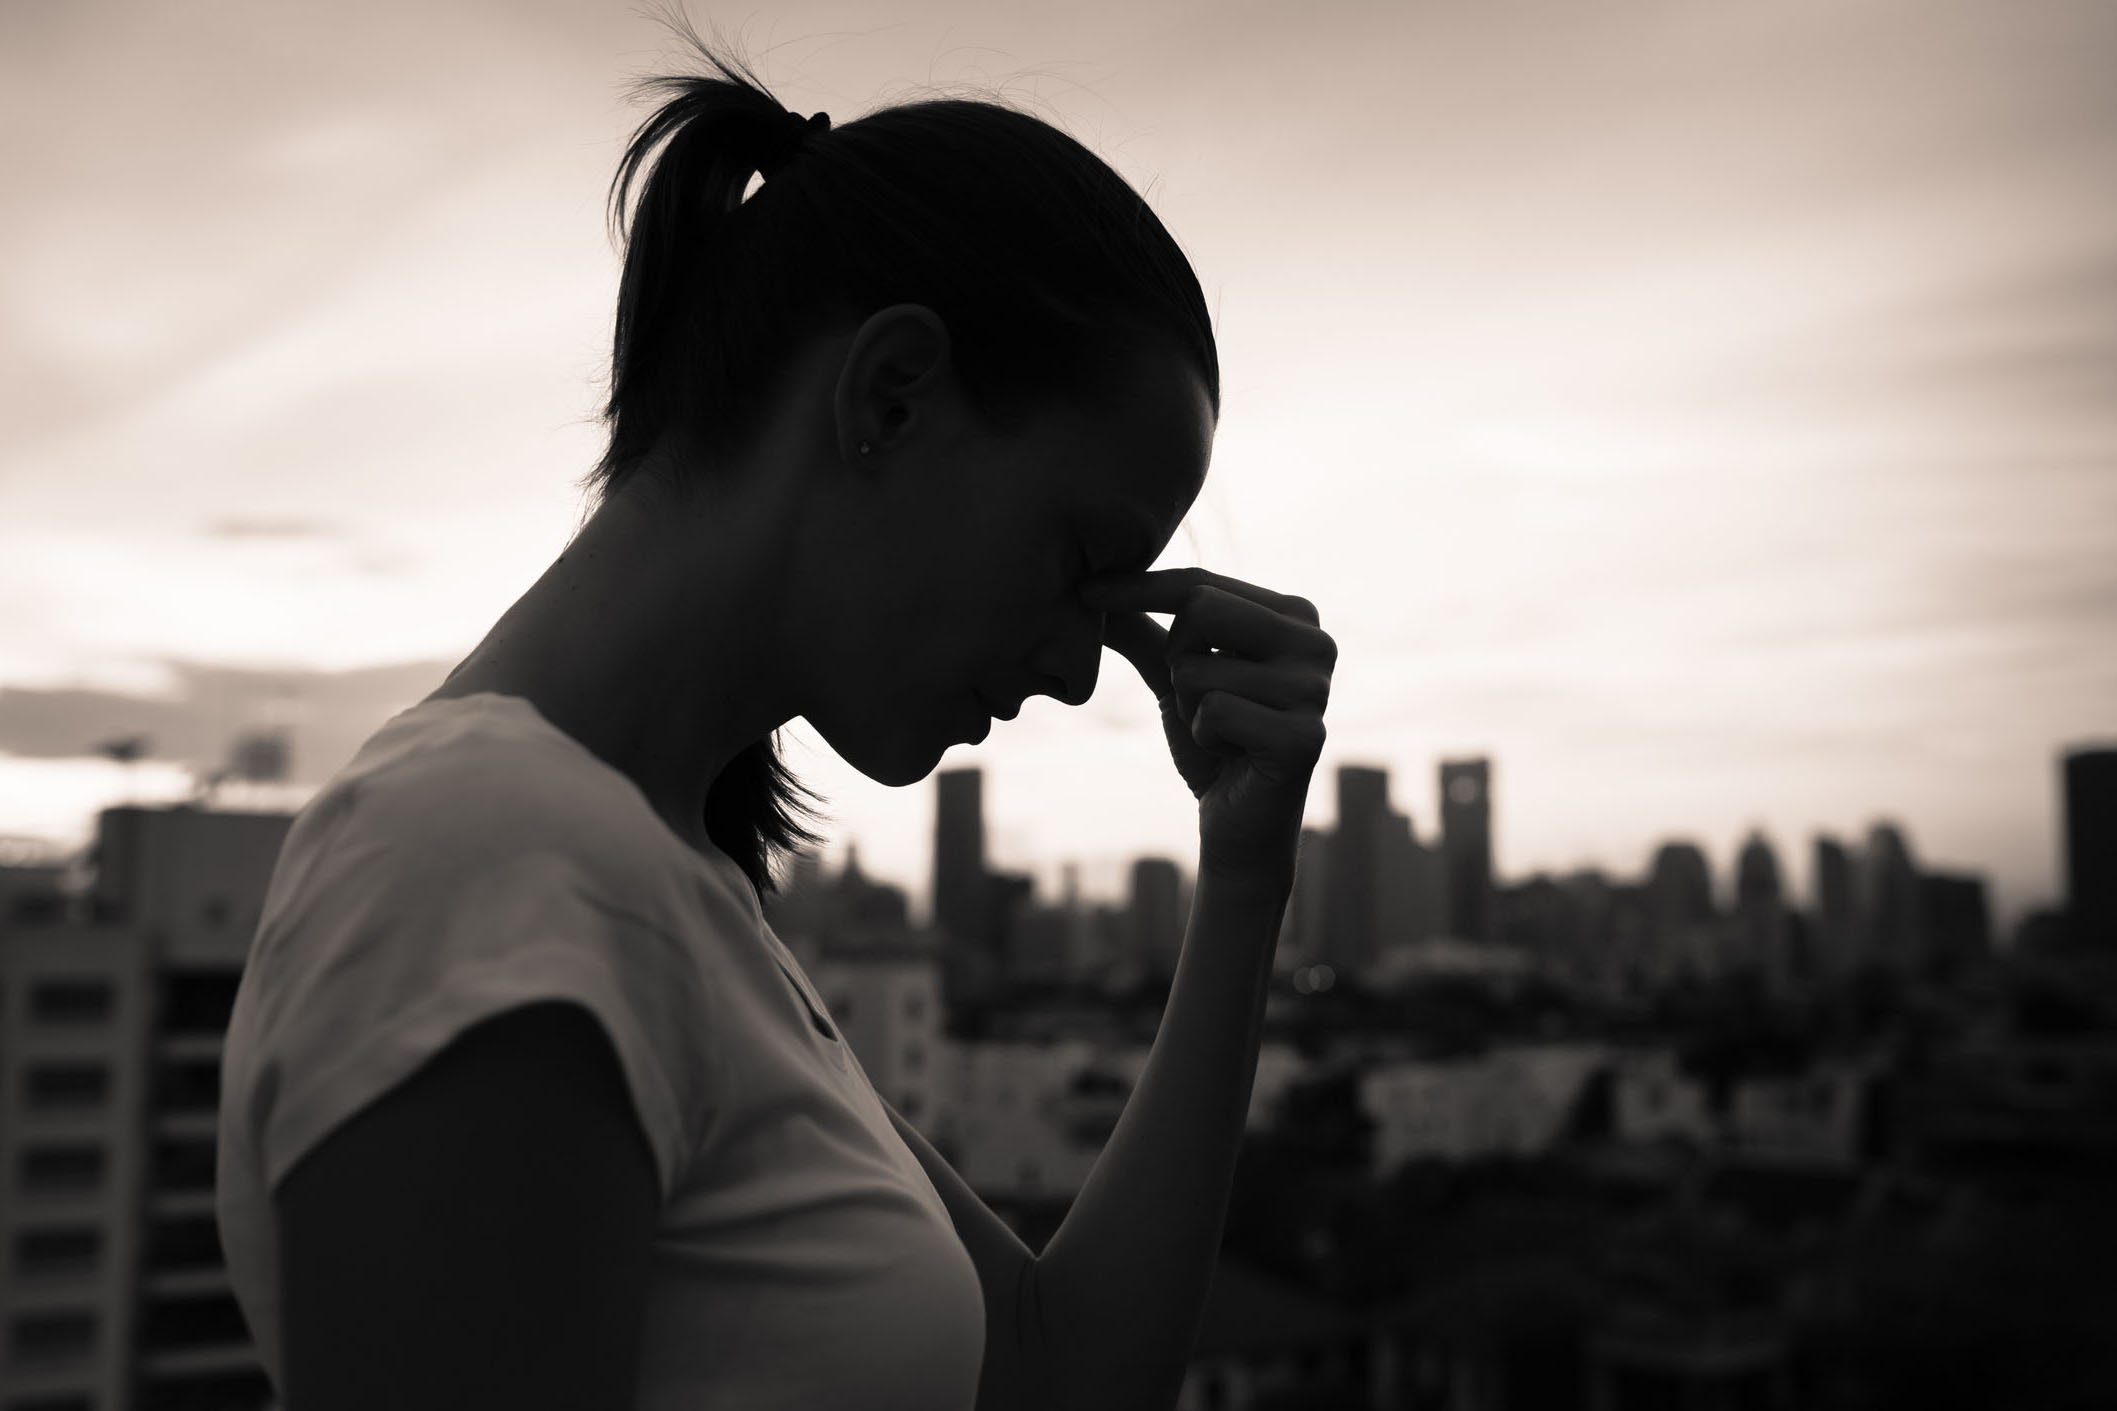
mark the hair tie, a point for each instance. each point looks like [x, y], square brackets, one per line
[791, 137]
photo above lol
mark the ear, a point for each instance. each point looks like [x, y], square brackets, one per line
[897, 383]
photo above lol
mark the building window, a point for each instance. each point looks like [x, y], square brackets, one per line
[198, 1001]
[188, 1085]
[842, 1007]
[50, 1087]
[41, 1337]
[1028, 1173]
[189, 1242]
[57, 1249]
[185, 1163]
[192, 1320]
[914, 1006]
[908, 1104]
[914, 1057]
[72, 1167]
[215, 911]
[71, 1001]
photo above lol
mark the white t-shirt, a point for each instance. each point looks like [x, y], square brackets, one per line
[472, 858]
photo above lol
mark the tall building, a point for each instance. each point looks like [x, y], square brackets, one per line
[1835, 932]
[1958, 922]
[2091, 847]
[962, 892]
[1156, 914]
[1353, 912]
[1683, 924]
[1761, 933]
[113, 1288]
[1633, 959]
[1466, 848]
[1588, 955]
[1892, 926]
[1412, 887]
[959, 854]
[197, 876]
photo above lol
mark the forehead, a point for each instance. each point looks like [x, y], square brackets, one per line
[1141, 457]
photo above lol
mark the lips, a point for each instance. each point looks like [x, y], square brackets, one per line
[1008, 714]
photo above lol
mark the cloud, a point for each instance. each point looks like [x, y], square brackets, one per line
[328, 713]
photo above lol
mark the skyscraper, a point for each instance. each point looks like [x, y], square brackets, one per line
[962, 894]
[1836, 930]
[1891, 921]
[959, 854]
[1157, 914]
[1681, 918]
[1354, 907]
[1958, 922]
[1466, 847]
[1412, 890]
[1760, 930]
[2091, 847]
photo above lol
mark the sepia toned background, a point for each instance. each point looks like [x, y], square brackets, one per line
[1704, 413]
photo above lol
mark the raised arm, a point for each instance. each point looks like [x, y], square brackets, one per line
[1241, 677]
[1121, 1285]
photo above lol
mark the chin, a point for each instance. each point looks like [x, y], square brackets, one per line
[899, 772]
[896, 762]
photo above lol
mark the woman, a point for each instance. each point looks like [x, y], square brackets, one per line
[525, 1105]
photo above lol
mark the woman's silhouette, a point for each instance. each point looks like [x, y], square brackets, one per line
[525, 1105]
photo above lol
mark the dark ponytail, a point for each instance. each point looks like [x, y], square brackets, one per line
[1043, 263]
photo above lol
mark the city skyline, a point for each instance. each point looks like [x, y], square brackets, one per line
[1701, 414]
[1103, 877]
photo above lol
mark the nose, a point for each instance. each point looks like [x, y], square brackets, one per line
[1071, 658]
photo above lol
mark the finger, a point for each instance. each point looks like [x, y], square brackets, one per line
[1143, 642]
[1212, 619]
[1164, 590]
[1269, 684]
[1282, 745]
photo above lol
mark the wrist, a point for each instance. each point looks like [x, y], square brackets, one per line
[1263, 881]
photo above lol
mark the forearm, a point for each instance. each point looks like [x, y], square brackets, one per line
[1120, 1287]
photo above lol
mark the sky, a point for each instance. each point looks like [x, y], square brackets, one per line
[1707, 413]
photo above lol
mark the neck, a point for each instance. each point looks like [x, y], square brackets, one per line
[654, 641]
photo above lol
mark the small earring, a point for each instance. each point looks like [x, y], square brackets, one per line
[864, 448]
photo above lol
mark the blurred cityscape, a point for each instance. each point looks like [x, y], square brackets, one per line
[1584, 1141]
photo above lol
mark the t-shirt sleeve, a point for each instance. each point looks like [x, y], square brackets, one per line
[370, 989]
